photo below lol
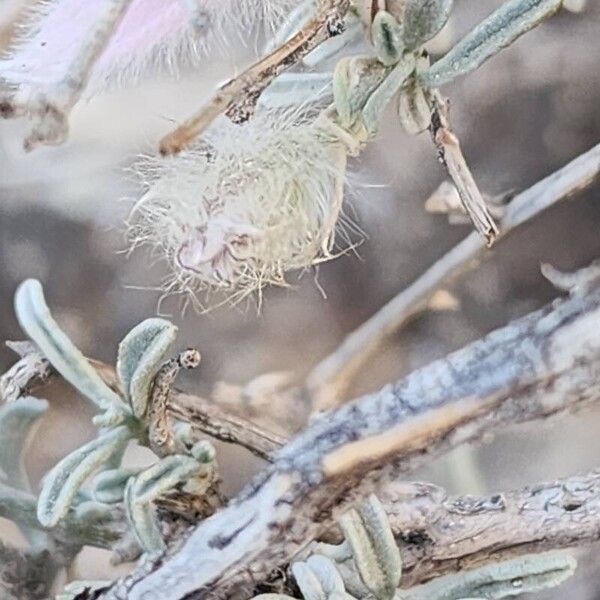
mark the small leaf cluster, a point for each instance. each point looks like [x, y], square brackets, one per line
[125, 415]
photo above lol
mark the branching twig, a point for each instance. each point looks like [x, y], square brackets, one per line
[31, 371]
[329, 380]
[538, 366]
[238, 97]
[202, 415]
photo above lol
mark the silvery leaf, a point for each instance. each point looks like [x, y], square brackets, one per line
[17, 421]
[511, 20]
[61, 484]
[143, 520]
[423, 19]
[35, 319]
[141, 354]
[108, 486]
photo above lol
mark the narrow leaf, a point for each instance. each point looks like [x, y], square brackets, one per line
[386, 33]
[18, 422]
[499, 30]
[143, 520]
[164, 476]
[379, 99]
[141, 354]
[523, 575]
[363, 554]
[109, 486]
[35, 319]
[378, 528]
[62, 483]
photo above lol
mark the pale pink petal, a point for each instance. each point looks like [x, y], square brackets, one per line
[151, 31]
[154, 35]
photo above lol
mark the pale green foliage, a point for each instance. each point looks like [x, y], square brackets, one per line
[531, 573]
[499, 30]
[17, 423]
[423, 19]
[170, 473]
[394, 37]
[371, 542]
[319, 579]
[387, 38]
[108, 486]
[143, 520]
[37, 322]
[140, 357]
[141, 353]
[62, 483]
[380, 98]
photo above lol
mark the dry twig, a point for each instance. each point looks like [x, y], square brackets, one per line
[238, 97]
[330, 379]
[205, 417]
[32, 371]
[438, 534]
[452, 158]
[541, 365]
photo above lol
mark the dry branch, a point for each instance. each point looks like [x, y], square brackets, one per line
[543, 364]
[330, 379]
[238, 97]
[33, 370]
[438, 534]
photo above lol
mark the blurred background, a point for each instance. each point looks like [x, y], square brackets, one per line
[524, 114]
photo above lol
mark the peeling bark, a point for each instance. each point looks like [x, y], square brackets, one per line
[543, 364]
[438, 534]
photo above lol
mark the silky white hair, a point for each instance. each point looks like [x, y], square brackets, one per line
[154, 37]
[243, 207]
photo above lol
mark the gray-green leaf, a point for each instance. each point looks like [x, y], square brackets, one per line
[109, 486]
[386, 34]
[423, 19]
[62, 483]
[319, 579]
[141, 354]
[523, 575]
[499, 30]
[35, 319]
[164, 476]
[374, 549]
[143, 520]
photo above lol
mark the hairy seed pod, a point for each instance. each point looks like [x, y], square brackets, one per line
[237, 214]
